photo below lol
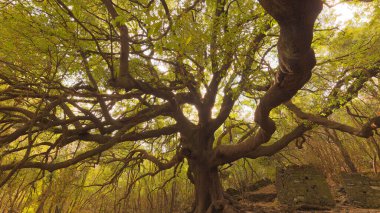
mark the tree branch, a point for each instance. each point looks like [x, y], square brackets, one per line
[365, 132]
[296, 19]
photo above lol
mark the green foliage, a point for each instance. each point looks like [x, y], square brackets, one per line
[57, 64]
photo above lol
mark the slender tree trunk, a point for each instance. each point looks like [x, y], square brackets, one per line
[376, 152]
[173, 195]
[346, 156]
[43, 197]
[374, 164]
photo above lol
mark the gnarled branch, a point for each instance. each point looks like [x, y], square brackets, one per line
[296, 19]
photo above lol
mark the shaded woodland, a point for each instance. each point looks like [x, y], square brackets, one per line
[160, 105]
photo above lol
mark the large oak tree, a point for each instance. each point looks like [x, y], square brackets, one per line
[92, 82]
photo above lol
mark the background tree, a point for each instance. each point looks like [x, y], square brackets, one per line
[141, 87]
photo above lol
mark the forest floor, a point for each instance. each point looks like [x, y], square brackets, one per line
[264, 201]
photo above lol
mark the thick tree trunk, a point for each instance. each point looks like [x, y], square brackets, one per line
[209, 194]
[207, 188]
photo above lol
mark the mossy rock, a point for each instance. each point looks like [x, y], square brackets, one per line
[361, 190]
[303, 187]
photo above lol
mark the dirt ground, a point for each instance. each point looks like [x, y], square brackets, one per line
[270, 205]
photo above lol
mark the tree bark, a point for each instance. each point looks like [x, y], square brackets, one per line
[296, 19]
[209, 193]
[207, 187]
[346, 156]
[296, 58]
